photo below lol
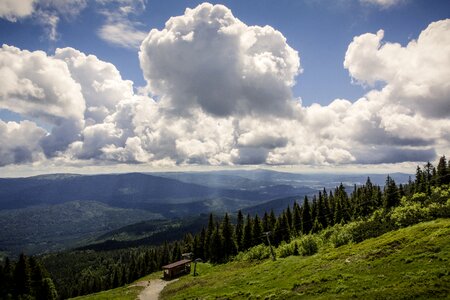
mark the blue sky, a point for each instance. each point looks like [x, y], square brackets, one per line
[321, 32]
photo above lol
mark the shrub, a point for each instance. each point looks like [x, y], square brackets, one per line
[308, 245]
[410, 214]
[340, 237]
[436, 210]
[419, 198]
[285, 250]
[259, 252]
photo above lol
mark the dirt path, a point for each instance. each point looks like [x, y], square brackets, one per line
[152, 288]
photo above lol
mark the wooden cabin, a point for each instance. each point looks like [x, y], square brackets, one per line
[177, 269]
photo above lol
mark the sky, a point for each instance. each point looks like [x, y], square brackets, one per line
[91, 86]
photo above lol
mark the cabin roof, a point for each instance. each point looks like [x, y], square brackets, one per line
[177, 263]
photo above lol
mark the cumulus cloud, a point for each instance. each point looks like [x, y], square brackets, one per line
[13, 9]
[20, 142]
[223, 97]
[416, 76]
[37, 85]
[209, 59]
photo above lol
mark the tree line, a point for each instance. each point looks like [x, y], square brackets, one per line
[26, 279]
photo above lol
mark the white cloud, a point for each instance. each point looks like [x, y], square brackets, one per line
[101, 82]
[209, 59]
[36, 85]
[14, 9]
[119, 28]
[122, 33]
[382, 3]
[225, 98]
[20, 142]
[416, 76]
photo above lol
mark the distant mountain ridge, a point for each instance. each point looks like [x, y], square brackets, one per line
[122, 190]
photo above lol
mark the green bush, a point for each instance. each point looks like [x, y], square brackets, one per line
[436, 210]
[308, 245]
[285, 250]
[340, 237]
[255, 253]
[410, 214]
[378, 224]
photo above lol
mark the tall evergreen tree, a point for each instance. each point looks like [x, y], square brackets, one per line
[272, 220]
[321, 217]
[209, 232]
[391, 197]
[247, 237]
[297, 219]
[443, 174]
[215, 247]
[239, 231]
[49, 290]
[257, 231]
[229, 245]
[306, 217]
[22, 276]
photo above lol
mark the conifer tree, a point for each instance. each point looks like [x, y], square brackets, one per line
[201, 246]
[215, 247]
[338, 217]
[321, 217]
[229, 245]
[49, 290]
[22, 276]
[391, 195]
[443, 174]
[306, 217]
[272, 220]
[288, 216]
[297, 219]
[256, 231]
[265, 222]
[239, 231]
[209, 232]
[247, 237]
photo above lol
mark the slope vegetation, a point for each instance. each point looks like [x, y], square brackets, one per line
[412, 262]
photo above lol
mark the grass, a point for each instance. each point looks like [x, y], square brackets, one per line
[410, 263]
[127, 292]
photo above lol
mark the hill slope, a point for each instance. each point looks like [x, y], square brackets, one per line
[408, 263]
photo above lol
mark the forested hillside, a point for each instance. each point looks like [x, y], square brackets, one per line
[338, 215]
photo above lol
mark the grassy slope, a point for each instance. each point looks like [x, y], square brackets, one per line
[413, 262]
[127, 292]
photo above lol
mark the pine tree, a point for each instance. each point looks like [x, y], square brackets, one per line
[265, 222]
[391, 195]
[239, 231]
[209, 232]
[6, 280]
[321, 217]
[306, 217]
[420, 181]
[443, 174]
[37, 275]
[288, 217]
[257, 231]
[247, 237]
[201, 246]
[297, 219]
[49, 290]
[22, 276]
[229, 245]
[338, 217]
[215, 247]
